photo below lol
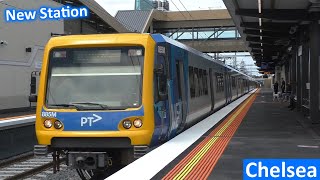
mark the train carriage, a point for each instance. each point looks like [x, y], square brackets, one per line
[106, 98]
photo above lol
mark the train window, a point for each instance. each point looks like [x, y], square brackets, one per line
[220, 82]
[191, 82]
[233, 82]
[200, 82]
[178, 79]
[196, 82]
[217, 82]
[162, 79]
[205, 83]
[96, 68]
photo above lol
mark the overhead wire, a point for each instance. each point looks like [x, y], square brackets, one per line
[184, 15]
[148, 2]
[196, 21]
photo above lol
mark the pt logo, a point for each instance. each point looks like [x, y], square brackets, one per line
[89, 121]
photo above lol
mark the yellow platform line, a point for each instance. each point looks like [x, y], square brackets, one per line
[193, 162]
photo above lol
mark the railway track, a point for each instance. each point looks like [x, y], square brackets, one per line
[28, 167]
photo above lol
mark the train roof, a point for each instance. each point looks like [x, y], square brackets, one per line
[128, 38]
[99, 39]
[161, 38]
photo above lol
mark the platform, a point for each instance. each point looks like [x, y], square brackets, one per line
[5, 115]
[17, 126]
[258, 128]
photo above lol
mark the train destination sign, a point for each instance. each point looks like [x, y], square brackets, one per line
[45, 13]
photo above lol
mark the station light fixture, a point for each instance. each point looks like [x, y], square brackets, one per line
[260, 19]
[47, 123]
[260, 6]
[127, 124]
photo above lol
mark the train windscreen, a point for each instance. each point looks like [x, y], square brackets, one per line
[108, 77]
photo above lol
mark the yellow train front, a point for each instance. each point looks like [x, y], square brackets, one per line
[96, 99]
[107, 99]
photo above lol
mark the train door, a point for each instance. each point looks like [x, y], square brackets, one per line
[161, 76]
[242, 86]
[227, 87]
[182, 94]
[237, 86]
[178, 91]
[211, 78]
[229, 82]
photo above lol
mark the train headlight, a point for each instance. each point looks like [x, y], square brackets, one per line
[127, 124]
[137, 123]
[58, 124]
[47, 123]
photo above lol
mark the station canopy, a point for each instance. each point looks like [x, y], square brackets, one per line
[99, 18]
[269, 27]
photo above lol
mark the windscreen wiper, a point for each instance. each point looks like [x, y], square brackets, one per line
[103, 106]
[82, 106]
[65, 105]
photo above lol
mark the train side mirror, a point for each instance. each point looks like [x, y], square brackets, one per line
[33, 85]
[33, 98]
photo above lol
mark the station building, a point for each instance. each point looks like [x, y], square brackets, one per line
[22, 44]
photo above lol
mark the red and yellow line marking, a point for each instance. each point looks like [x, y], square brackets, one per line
[201, 160]
[16, 117]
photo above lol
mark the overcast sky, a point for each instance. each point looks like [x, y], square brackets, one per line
[112, 6]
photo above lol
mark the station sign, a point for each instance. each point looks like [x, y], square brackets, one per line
[45, 13]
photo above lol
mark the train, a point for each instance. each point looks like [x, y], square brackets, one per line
[108, 99]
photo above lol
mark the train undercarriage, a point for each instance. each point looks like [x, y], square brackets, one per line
[91, 162]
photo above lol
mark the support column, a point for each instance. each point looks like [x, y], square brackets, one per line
[304, 67]
[298, 79]
[293, 69]
[314, 70]
[287, 71]
[151, 28]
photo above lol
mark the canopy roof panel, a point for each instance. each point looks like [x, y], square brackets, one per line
[269, 27]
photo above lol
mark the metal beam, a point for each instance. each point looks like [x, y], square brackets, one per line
[251, 45]
[160, 25]
[272, 53]
[254, 45]
[268, 48]
[196, 29]
[265, 34]
[273, 27]
[275, 14]
[257, 56]
[282, 25]
[212, 46]
[265, 50]
[258, 40]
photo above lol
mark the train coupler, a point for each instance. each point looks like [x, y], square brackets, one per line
[88, 160]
